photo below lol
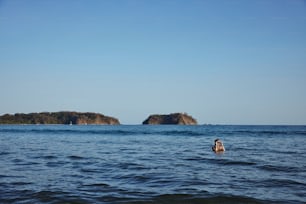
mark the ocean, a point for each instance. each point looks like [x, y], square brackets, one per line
[152, 164]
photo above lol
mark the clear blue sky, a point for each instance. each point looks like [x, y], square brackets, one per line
[221, 61]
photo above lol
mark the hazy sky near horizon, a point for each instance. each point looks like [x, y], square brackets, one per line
[223, 62]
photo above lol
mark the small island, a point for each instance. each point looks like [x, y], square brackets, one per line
[170, 119]
[63, 117]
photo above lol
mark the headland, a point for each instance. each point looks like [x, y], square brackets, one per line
[63, 117]
[170, 119]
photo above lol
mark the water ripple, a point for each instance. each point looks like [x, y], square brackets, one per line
[145, 164]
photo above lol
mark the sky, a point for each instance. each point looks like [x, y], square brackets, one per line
[220, 61]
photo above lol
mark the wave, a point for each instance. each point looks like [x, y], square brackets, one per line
[274, 168]
[102, 132]
[4, 153]
[156, 130]
[46, 196]
[239, 163]
[269, 132]
[281, 182]
[187, 198]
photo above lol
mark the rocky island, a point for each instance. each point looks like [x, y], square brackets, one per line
[170, 119]
[63, 117]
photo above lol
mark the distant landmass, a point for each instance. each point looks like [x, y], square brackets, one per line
[170, 119]
[63, 117]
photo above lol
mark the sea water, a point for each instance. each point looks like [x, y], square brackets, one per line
[152, 164]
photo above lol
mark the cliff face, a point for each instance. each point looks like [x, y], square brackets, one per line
[59, 118]
[171, 119]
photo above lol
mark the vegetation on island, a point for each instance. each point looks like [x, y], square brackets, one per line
[66, 117]
[63, 117]
[170, 119]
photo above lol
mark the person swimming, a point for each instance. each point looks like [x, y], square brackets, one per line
[218, 147]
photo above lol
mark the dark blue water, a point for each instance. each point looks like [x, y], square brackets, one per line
[152, 164]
